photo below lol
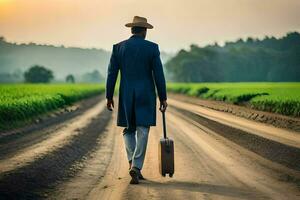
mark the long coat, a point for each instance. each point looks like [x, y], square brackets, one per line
[138, 61]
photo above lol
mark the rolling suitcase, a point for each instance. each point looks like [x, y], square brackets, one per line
[166, 152]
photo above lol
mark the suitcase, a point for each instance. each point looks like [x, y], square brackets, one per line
[166, 152]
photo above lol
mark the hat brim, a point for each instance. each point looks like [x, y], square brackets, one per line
[139, 24]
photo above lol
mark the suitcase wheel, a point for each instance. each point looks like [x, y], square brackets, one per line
[170, 175]
[164, 175]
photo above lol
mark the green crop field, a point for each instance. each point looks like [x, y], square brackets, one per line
[22, 102]
[282, 98]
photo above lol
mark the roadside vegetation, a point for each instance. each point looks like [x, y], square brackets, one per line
[21, 102]
[282, 98]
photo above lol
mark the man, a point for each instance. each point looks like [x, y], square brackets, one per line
[138, 61]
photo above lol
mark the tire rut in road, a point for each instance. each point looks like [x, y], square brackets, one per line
[38, 178]
[16, 140]
[277, 152]
[277, 120]
[95, 167]
[229, 164]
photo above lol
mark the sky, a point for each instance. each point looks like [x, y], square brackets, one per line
[177, 23]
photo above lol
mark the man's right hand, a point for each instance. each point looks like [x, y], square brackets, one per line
[163, 106]
[110, 104]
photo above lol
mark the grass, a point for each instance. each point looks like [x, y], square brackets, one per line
[282, 98]
[22, 102]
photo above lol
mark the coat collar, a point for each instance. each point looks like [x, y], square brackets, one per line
[137, 36]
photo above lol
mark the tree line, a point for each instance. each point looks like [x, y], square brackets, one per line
[268, 59]
[40, 74]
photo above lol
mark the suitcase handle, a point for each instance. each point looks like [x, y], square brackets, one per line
[164, 125]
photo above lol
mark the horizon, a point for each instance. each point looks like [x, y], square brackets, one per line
[168, 52]
[100, 24]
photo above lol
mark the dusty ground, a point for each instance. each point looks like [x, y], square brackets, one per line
[217, 156]
[273, 119]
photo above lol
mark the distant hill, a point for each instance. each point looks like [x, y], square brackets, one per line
[269, 59]
[17, 58]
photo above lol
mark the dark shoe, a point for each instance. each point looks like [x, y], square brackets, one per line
[141, 176]
[134, 173]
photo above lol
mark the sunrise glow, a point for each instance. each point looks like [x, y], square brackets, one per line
[177, 23]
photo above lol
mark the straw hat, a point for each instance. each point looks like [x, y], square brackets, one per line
[140, 22]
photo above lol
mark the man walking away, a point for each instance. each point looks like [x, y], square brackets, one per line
[138, 61]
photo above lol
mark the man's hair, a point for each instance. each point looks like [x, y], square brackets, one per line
[137, 29]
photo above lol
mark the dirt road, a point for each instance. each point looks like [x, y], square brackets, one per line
[217, 156]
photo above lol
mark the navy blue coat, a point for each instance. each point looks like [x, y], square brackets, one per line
[138, 61]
